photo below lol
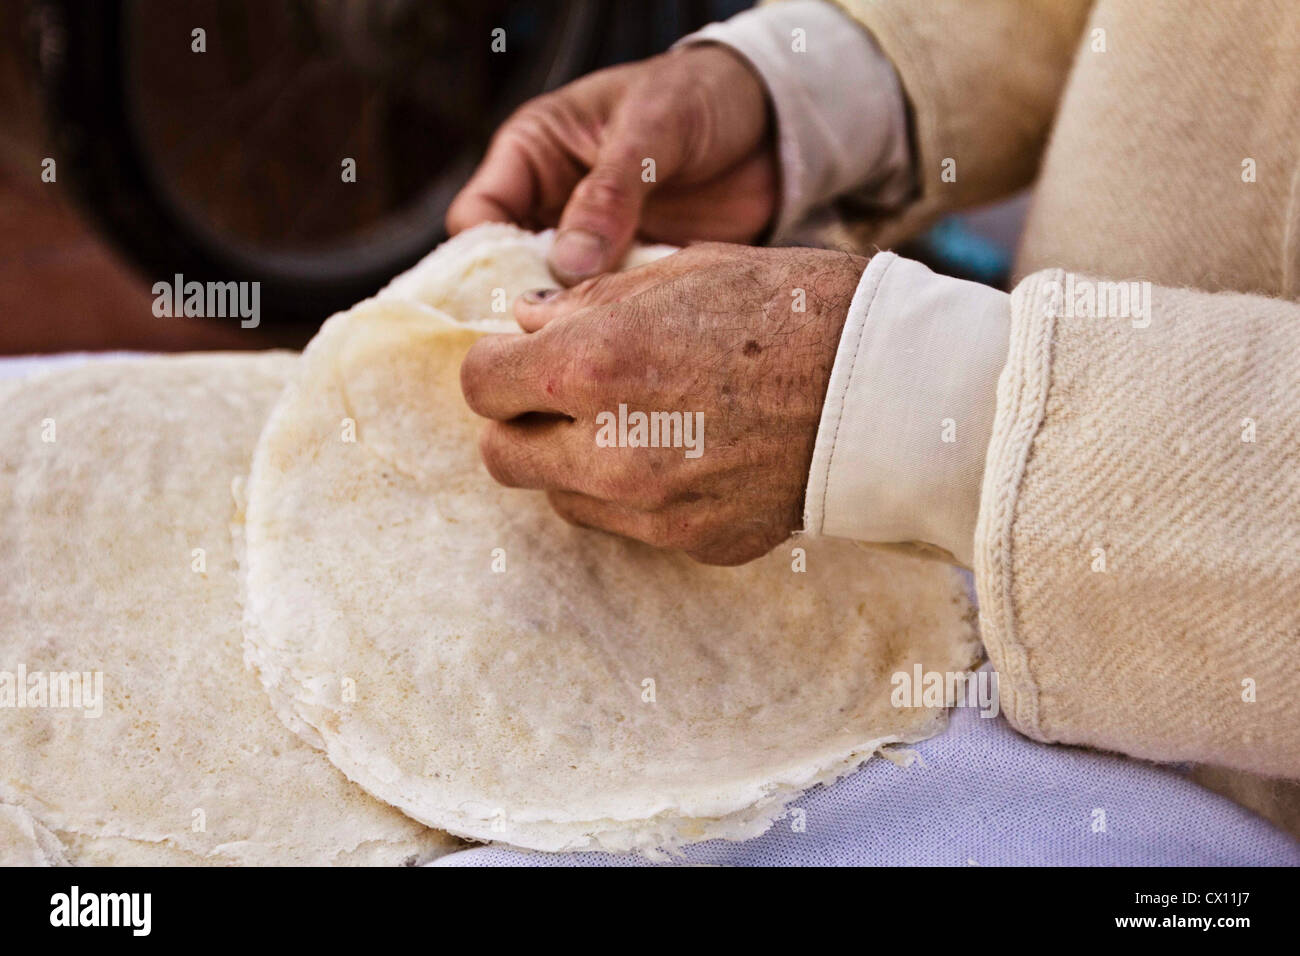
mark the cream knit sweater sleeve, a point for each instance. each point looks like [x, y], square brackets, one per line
[1137, 553]
[983, 80]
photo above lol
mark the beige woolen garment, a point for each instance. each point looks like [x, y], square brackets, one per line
[1131, 440]
[982, 81]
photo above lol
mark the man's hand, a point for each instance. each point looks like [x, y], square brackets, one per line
[738, 341]
[578, 157]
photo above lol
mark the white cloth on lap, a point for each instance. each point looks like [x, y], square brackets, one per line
[983, 794]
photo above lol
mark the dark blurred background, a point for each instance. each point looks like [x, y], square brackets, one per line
[225, 165]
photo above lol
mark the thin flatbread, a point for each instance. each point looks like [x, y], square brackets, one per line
[476, 276]
[117, 564]
[468, 657]
[25, 842]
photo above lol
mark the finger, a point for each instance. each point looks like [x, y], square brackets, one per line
[504, 376]
[601, 216]
[526, 175]
[537, 452]
[737, 205]
[472, 208]
[730, 553]
[589, 512]
[537, 307]
[501, 189]
[598, 223]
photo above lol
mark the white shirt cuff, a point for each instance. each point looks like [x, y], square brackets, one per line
[909, 410]
[840, 114]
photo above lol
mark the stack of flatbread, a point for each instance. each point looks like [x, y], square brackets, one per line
[272, 609]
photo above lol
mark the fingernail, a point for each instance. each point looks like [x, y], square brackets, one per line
[578, 253]
[538, 296]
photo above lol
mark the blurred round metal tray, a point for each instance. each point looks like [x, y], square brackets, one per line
[227, 164]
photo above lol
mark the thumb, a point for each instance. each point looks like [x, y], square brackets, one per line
[601, 216]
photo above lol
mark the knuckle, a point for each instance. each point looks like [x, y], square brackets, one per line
[533, 129]
[532, 116]
[728, 552]
[680, 532]
[563, 507]
[719, 556]
[660, 485]
[613, 483]
[593, 370]
[472, 373]
[691, 537]
[603, 289]
[601, 190]
[494, 450]
[657, 98]
[708, 556]
[655, 495]
[458, 214]
[711, 250]
[593, 290]
[657, 530]
[620, 479]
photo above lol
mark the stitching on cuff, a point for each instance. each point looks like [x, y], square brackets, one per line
[857, 351]
[1022, 400]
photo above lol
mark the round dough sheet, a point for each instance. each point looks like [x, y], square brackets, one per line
[464, 654]
[117, 567]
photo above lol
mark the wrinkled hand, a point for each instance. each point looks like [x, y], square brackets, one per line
[714, 332]
[578, 157]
